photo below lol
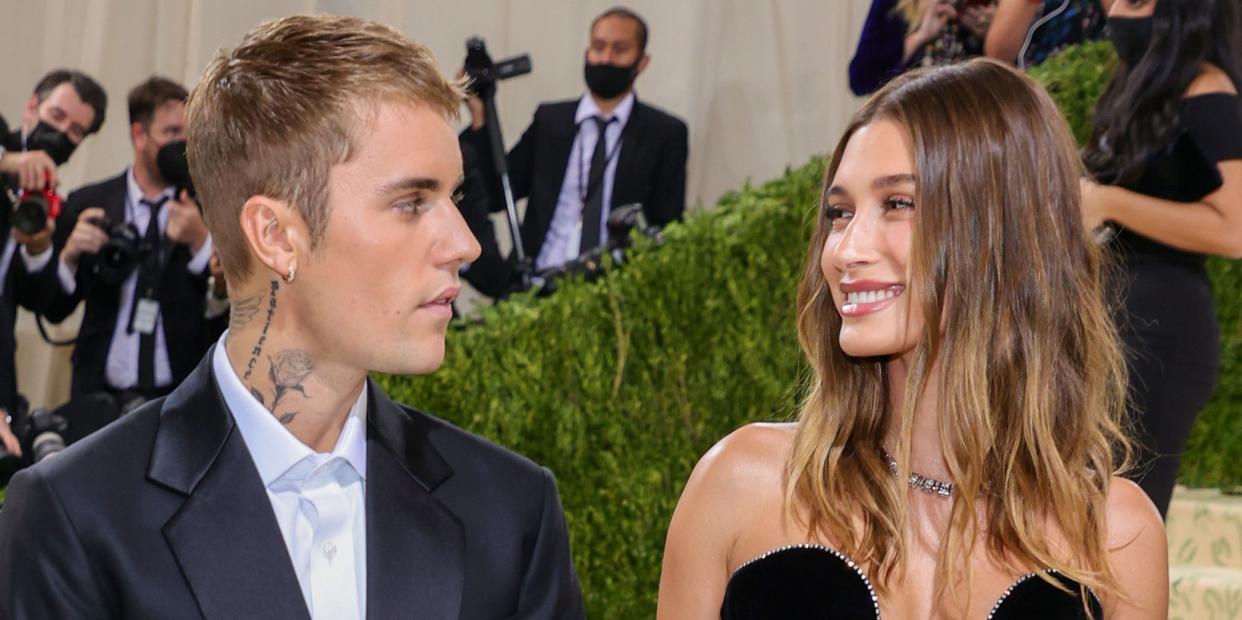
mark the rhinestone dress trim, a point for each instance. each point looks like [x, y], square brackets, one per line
[875, 599]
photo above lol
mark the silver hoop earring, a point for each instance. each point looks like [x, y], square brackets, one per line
[293, 273]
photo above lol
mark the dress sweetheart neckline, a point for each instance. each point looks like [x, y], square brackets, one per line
[871, 587]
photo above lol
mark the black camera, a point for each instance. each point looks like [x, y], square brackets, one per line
[33, 209]
[120, 255]
[484, 73]
[622, 222]
[44, 433]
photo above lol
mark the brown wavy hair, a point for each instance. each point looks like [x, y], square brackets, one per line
[1030, 375]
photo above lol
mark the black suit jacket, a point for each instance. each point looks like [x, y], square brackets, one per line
[163, 515]
[651, 166]
[30, 290]
[181, 295]
[23, 288]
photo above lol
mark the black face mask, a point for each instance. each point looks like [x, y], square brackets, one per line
[1130, 36]
[55, 143]
[608, 81]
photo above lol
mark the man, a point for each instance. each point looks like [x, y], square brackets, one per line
[277, 481]
[572, 178]
[142, 331]
[65, 107]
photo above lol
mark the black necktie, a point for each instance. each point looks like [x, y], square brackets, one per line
[148, 278]
[593, 206]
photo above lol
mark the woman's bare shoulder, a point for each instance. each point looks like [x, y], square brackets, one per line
[1139, 553]
[1130, 514]
[746, 460]
[1211, 79]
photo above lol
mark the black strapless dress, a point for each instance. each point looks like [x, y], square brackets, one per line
[813, 581]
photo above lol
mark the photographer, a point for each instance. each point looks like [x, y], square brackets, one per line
[65, 107]
[137, 253]
[581, 157]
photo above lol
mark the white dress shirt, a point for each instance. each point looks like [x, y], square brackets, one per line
[122, 365]
[319, 499]
[564, 239]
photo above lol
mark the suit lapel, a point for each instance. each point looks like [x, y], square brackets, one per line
[224, 537]
[632, 136]
[415, 545]
[114, 199]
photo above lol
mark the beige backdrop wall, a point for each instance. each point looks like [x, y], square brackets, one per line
[762, 84]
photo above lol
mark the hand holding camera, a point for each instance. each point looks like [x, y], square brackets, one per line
[34, 170]
[88, 237]
[185, 222]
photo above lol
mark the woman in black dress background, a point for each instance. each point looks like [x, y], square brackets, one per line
[1167, 152]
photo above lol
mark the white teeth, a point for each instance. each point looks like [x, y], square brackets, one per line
[870, 297]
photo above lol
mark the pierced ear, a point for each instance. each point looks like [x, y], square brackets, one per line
[273, 231]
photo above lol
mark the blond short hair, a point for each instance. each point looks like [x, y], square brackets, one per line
[272, 116]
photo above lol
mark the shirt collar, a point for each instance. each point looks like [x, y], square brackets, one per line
[587, 109]
[274, 449]
[135, 192]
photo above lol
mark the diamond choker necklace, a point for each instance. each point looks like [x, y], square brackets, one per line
[921, 482]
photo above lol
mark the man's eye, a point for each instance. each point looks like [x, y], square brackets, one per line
[411, 206]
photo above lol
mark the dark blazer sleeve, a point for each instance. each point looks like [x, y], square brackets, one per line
[491, 272]
[55, 302]
[520, 160]
[670, 184]
[44, 570]
[550, 588]
[878, 57]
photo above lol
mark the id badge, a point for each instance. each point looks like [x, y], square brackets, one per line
[146, 313]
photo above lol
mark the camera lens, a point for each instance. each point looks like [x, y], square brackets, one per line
[30, 215]
[46, 444]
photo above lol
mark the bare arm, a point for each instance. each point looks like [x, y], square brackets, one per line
[734, 490]
[695, 571]
[1010, 24]
[1210, 226]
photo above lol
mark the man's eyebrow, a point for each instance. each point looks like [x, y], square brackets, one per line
[409, 184]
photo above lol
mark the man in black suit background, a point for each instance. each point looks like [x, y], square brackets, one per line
[65, 107]
[571, 178]
[142, 330]
[277, 481]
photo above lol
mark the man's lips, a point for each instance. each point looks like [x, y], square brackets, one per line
[444, 298]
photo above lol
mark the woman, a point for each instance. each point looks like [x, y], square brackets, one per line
[1026, 32]
[905, 33]
[1167, 149]
[951, 310]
